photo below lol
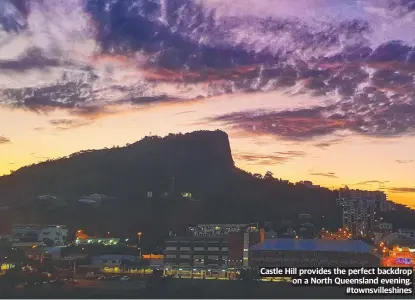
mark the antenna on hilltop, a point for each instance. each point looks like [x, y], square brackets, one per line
[172, 185]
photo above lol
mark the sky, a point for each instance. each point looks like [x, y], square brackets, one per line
[312, 90]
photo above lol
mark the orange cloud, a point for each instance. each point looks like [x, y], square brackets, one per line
[268, 159]
[152, 73]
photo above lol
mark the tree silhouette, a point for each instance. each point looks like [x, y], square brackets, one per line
[269, 175]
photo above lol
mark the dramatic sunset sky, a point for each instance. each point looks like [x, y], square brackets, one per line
[308, 89]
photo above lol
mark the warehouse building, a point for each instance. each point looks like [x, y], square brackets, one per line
[313, 253]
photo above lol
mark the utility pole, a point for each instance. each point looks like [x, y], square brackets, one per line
[74, 268]
[172, 185]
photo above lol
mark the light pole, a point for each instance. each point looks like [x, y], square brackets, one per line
[74, 268]
[139, 234]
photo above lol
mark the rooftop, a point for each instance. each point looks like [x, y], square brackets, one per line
[313, 245]
[36, 226]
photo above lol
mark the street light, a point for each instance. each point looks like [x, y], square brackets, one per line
[139, 236]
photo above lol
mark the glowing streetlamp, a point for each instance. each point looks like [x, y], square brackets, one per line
[139, 234]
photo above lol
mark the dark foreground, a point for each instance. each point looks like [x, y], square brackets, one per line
[175, 289]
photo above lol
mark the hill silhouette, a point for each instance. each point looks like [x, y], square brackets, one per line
[198, 163]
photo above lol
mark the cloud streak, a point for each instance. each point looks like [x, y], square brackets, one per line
[402, 161]
[4, 140]
[268, 159]
[370, 182]
[64, 124]
[329, 175]
[327, 144]
[402, 189]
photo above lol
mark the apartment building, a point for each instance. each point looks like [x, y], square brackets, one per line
[360, 208]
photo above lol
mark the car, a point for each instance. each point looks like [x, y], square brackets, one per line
[125, 278]
[102, 278]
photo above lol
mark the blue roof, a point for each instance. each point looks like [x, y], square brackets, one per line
[313, 245]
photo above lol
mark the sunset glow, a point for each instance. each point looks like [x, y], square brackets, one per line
[336, 110]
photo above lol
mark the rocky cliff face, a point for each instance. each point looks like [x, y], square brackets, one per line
[149, 164]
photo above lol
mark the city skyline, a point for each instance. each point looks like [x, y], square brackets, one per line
[339, 111]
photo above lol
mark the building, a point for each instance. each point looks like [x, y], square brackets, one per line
[114, 260]
[205, 257]
[410, 233]
[385, 227]
[400, 257]
[154, 260]
[341, 234]
[239, 244]
[220, 229]
[48, 234]
[102, 241]
[196, 252]
[313, 253]
[210, 250]
[118, 264]
[390, 239]
[239, 237]
[360, 208]
[384, 230]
